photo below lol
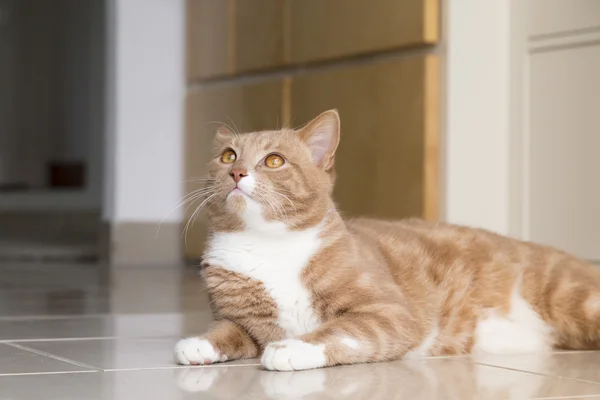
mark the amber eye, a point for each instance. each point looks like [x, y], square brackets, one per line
[228, 156]
[274, 161]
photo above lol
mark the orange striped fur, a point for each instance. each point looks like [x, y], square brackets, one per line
[292, 281]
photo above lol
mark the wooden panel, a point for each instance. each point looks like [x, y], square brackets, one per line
[228, 37]
[387, 163]
[243, 107]
[556, 16]
[325, 29]
[259, 34]
[208, 38]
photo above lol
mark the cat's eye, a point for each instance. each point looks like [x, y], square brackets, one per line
[228, 156]
[274, 161]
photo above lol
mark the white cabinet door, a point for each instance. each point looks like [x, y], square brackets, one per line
[564, 125]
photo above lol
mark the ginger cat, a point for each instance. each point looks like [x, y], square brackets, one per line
[293, 282]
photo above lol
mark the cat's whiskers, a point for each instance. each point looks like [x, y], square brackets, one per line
[279, 203]
[195, 214]
[190, 197]
[199, 179]
[266, 201]
[287, 198]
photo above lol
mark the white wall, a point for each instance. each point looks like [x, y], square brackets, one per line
[522, 120]
[484, 62]
[145, 151]
[477, 114]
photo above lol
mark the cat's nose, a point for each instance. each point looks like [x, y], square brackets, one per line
[238, 173]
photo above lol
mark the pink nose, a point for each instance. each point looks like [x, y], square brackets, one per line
[238, 173]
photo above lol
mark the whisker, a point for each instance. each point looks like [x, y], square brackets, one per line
[188, 198]
[237, 131]
[200, 180]
[195, 214]
[274, 203]
[287, 198]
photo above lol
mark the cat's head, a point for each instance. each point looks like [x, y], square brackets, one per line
[273, 178]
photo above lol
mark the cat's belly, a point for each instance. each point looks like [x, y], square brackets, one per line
[521, 331]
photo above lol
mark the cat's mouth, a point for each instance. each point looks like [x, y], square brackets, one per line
[237, 191]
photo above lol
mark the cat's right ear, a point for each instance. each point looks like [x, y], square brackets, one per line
[223, 133]
[322, 136]
[222, 137]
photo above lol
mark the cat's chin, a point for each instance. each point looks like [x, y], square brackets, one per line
[237, 201]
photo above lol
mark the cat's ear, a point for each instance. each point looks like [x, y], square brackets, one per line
[322, 136]
[223, 133]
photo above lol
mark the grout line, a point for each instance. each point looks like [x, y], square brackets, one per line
[77, 339]
[53, 356]
[47, 373]
[74, 339]
[216, 365]
[582, 396]
[539, 373]
[55, 317]
[31, 318]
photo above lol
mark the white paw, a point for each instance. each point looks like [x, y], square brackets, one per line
[195, 351]
[293, 355]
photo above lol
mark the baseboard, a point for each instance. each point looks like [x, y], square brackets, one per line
[139, 244]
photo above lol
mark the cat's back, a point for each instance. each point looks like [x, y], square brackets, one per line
[440, 247]
[414, 232]
[447, 252]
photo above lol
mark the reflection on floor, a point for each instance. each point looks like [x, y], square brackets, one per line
[82, 332]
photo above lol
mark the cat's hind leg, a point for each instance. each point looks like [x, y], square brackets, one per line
[566, 294]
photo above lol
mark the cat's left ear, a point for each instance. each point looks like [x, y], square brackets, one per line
[322, 136]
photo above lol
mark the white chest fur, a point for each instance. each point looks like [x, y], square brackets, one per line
[276, 260]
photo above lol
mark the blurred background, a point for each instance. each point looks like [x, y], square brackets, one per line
[479, 113]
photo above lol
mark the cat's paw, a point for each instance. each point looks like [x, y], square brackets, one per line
[196, 351]
[293, 355]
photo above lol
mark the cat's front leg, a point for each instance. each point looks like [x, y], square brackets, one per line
[369, 333]
[225, 341]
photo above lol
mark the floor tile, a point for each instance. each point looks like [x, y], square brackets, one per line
[575, 365]
[568, 398]
[18, 361]
[80, 289]
[109, 354]
[415, 379]
[141, 325]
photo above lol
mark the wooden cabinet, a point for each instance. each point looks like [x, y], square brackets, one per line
[228, 37]
[258, 64]
[387, 160]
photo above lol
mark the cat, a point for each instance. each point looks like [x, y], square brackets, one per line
[293, 283]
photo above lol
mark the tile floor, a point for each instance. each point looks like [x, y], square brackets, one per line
[83, 332]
